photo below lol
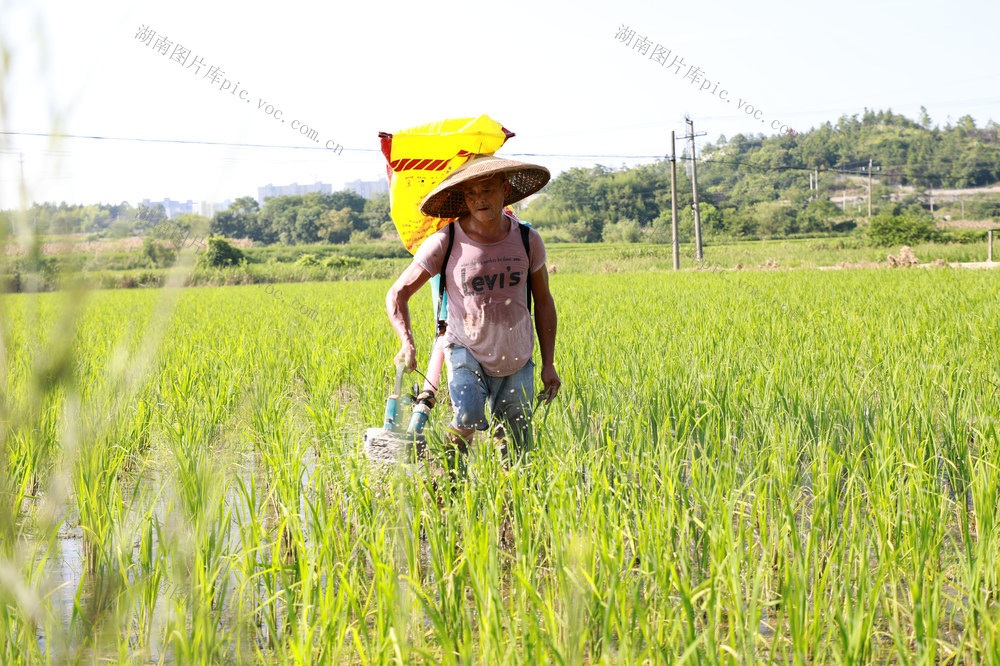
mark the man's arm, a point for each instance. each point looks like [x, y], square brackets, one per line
[397, 306]
[545, 326]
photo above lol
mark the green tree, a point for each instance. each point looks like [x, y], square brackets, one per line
[307, 220]
[712, 222]
[818, 215]
[924, 120]
[278, 216]
[774, 218]
[336, 226]
[341, 199]
[240, 220]
[376, 213]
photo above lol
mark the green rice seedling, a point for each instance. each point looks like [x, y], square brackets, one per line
[723, 480]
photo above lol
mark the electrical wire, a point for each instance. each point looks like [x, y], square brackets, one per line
[283, 147]
[173, 141]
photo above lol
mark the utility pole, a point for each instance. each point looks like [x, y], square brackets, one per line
[869, 190]
[673, 202]
[694, 191]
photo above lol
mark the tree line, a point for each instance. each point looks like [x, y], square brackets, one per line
[338, 217]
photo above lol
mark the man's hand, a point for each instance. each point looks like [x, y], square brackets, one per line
[550, 380]
[396, 301]
[407, 357]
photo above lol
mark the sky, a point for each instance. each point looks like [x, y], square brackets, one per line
[570, 79]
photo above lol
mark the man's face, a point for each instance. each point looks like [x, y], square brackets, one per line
[485, 196]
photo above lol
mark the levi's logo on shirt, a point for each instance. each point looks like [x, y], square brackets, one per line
[481, 277]
[482, 283]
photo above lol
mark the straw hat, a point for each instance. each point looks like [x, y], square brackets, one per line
[447, 199]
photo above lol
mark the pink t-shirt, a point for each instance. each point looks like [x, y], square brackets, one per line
[487, 295]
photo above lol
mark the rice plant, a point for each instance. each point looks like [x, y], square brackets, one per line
[788, 466]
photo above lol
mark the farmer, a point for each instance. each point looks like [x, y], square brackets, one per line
[489, 338]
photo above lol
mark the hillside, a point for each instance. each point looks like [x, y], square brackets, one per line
[811, 183]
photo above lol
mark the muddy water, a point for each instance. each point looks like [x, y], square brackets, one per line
[66, 570]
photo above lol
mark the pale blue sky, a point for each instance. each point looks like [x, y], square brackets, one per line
[551, 72]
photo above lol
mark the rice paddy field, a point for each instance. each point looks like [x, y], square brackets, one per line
[741, 468]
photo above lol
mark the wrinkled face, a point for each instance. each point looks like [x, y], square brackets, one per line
[485, 197]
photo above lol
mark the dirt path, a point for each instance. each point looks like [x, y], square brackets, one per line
[969, 264]
[934, 264]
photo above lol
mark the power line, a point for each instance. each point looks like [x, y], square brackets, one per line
[628, 157]
[174, 141]
[286, 147]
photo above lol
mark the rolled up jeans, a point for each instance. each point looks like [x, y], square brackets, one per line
[509, 397]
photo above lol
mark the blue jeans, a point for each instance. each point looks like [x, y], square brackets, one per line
[509, 397]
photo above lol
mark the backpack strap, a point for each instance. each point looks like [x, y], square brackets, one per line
[442, 313]
[527, 251]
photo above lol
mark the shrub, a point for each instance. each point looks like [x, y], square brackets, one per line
[626, 231]
[904, 229]
[361, 237]
[392, 249]
[774, 218]
[963, 236]
[339, 261]
[220, 253]
[661, 231]
[156, 252]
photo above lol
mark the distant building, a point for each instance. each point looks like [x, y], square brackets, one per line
[172, 208]
[209, 208]
[269, 190]
[368, 188]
